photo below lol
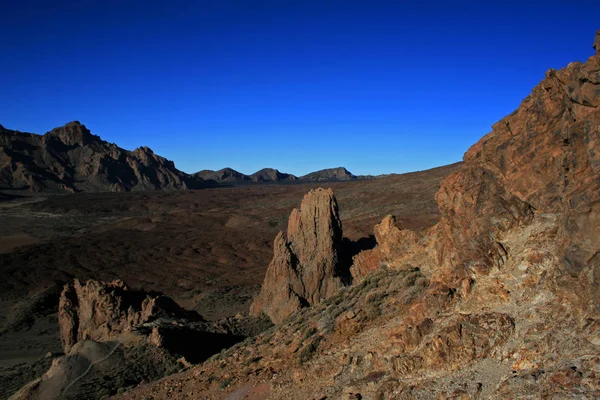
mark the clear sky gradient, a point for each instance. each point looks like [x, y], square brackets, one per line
[298, 85]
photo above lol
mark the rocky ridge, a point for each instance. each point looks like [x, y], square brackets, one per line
[270, 175]
[70, 158]
[500, 299]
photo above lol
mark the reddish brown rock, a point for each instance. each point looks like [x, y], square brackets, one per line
[543, 158]
[100, 311]
[393, 246]
[305, 267]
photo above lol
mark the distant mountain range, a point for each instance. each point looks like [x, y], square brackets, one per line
[70, 158]
[270, 175]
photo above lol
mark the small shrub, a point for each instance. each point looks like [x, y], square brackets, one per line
[326, 323]
[376, 296]
[307, 332]
[307, 352]
[372, 311]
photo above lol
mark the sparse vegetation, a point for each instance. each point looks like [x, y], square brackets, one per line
[308, 350]
[225, 383]
[380, 294]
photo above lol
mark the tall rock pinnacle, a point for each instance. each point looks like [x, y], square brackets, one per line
[305, 267]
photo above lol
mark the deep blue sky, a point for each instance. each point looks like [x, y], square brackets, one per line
[298, 85]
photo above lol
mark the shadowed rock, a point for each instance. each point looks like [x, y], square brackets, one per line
[305, 267]
[101, 311]
[70, 158]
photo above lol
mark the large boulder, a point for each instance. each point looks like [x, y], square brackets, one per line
[306, 262]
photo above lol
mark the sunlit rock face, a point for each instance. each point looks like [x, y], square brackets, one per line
[305, 267]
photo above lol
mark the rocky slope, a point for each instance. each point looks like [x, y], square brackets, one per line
[70, 158]
[306, 266]
[500, 299]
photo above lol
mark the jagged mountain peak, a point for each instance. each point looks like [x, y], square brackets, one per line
[73, 133]
[71, 158]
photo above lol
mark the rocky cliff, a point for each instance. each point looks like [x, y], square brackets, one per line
[70, 158]
[306, 262]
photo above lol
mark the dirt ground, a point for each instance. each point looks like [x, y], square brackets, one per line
[208, 249]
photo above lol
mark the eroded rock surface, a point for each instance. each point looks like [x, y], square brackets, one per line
[101, 311]
[306, 262]
[394, 246]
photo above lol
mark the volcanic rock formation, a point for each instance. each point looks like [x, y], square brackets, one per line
[70, 158]
[306, 262]
[101, 311]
